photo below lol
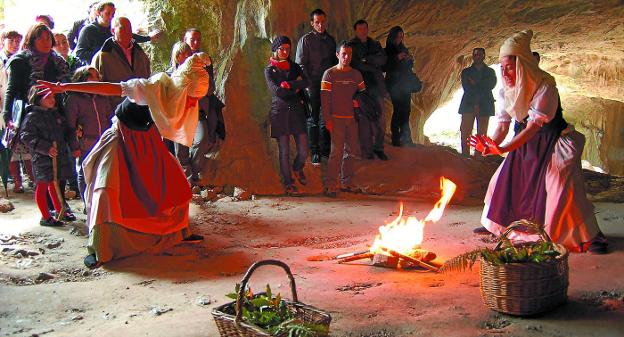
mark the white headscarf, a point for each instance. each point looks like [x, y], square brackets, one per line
[529, 77]
[166, 97]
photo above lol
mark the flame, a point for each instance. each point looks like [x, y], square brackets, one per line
[404, 234]
[448, 190]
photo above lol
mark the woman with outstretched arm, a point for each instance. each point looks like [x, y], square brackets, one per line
[137, 195]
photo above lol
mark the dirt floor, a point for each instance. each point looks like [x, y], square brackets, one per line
[46, 291]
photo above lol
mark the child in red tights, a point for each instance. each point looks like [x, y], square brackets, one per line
[46, 134]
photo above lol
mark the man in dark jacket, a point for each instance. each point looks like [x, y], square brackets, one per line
[478, 80]
[210, 130]
[93, 35]
[316, 52]
[369, 58]
[74, 32]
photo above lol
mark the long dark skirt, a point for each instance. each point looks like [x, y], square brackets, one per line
[520, 191]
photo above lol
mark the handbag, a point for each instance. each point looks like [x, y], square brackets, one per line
[9, 137]
[414, 84]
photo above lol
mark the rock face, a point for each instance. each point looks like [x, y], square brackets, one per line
[580, 43]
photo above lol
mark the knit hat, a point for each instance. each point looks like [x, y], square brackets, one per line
[278, 41]
[192, 75]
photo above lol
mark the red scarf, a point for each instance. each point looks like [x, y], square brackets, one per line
[280, 64]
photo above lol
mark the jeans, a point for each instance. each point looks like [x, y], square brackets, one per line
[379, 127]
[399, 124]
[467, 123]
[193, 159]
[320, 140]
[343, 151]
[283, 143]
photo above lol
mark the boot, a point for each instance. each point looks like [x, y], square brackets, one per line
[29, 170]
[17, 177]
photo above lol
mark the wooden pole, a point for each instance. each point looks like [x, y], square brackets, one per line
[410, 259]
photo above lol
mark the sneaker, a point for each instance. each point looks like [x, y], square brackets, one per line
[69, 216]
[18, 189]
[90, 261]
[51, 222]
[598, 245]
[196, 190]
[481, 231]
[301, 178]
[291, 190]
[381, 155]
[349, 189]
[331, 193]
[316, 159]
[193, 238]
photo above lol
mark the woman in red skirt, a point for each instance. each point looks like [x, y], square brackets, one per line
[137, 195]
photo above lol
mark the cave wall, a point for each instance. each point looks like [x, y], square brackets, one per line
[580, 42]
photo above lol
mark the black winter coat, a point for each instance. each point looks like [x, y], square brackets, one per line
[19, 81]
[369, 58]
[478, 94]
[92, 114]
[287, 114]
[41, 128]
[398, 71]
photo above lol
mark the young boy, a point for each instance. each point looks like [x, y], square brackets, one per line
[338, 86]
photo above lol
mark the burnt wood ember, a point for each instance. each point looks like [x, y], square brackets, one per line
[411, 259]
[393, 259]
[383, 260]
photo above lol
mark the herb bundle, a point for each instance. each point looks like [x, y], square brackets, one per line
[271, 314]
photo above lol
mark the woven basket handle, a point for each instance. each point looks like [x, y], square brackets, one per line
[243, 285]
[524, 224]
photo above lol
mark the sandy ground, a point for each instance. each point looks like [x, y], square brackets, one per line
[46, 291]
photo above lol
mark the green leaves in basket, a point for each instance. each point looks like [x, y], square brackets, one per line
[540, 252]
[297, 328]
[271, 313]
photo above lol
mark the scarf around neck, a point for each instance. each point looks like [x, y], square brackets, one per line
[39, 61]
[280, 64]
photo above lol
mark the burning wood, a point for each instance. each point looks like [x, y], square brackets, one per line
[355, 257]
[411, 260]
[398, 243]
[343, 256]
[405, 234]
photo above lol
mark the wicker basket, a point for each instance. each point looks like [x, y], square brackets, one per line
[525, 289]
[233, 326]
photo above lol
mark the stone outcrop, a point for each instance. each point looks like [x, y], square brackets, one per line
[580, 43]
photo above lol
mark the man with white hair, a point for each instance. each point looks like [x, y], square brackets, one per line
[120, 58]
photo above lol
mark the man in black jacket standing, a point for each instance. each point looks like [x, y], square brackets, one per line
[316, 52]
[93, 35]
[369, 58]
[478, 80]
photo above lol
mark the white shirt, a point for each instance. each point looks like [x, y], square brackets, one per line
[542, 109]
